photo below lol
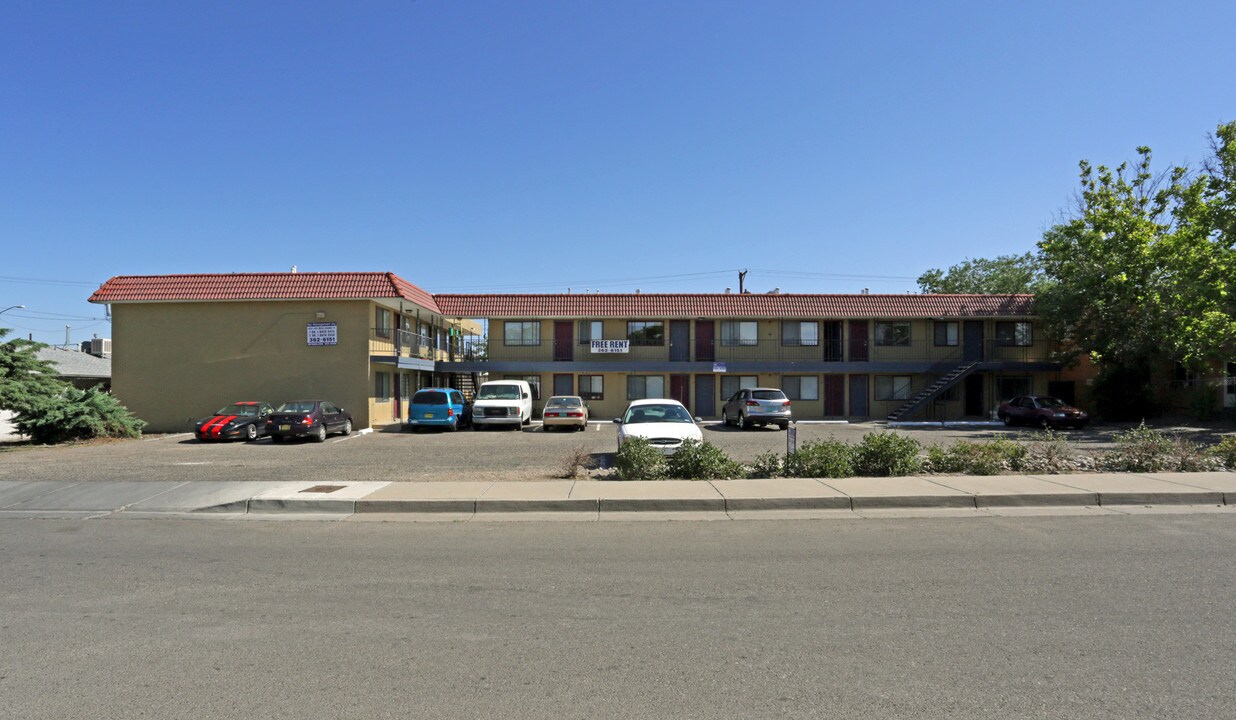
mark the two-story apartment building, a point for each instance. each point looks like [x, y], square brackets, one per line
[909, 356]
[188, 344]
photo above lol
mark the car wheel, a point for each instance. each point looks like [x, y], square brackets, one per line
[250, 433]
[453, 426]
[347, 427]
[1043, 424]
[783, 426]
[744, 422]
[528, 420]
[321, 434]
[1007, 420]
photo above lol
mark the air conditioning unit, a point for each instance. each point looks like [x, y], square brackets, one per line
[101, 347]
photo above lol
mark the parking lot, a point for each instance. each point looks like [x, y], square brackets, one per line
[507, 455]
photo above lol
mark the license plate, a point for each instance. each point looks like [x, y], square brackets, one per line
[429, 415]
[285, 427]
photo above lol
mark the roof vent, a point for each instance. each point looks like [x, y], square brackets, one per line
[637, 291]
[866, 291]
[727, 291]
[293, 268]
[775, 291]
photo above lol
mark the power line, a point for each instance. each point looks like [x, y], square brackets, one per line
[46, 281]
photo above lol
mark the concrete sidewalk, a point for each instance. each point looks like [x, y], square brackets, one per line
[590, 499]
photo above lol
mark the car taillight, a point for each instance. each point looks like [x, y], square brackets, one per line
[575, 414]
[551, 414]
[307, 421]
[785, 404]
[450, 412]
[752, 403]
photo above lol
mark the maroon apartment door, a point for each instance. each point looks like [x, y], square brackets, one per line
[704, 347]
[858, 341]
[680, 389]
[564, 340]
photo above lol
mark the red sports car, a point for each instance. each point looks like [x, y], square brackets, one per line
[238, 421]
[1042, 411]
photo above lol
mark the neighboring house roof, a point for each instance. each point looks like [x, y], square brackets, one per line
[732, 305]
[261, 286]
[75, 363]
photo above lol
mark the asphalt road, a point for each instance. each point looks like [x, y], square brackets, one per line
[530, 454]
[1061, 617]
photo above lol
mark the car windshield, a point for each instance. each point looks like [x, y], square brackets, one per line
[657, 413]
[296, 407]
[429, 398]
[767, 394]
[239, 409]
[1051, 402]
[498, 392]
[563, 402]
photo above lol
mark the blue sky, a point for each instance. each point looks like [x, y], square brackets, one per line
[540, 146]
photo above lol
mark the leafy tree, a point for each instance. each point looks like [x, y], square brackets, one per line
[1145, 272]
[50, 410]
[1002, 274]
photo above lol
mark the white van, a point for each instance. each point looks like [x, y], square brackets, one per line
[502, 402]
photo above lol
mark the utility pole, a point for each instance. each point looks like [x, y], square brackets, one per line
[741, 275]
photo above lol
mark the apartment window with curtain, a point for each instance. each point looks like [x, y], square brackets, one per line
[521, 332]
[382, 323]
[1014, 334]
[739, 332]
[731, 384]
[590, 330]
[801, 387]
[646, 332]
[382, 386]
[892, 387]
[592, 387]
[947, 334]
[641, 387]
[895, 334]
[800, 332]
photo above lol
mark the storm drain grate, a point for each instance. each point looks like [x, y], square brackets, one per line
[323, 488]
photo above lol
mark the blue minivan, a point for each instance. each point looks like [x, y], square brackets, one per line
[439, 407]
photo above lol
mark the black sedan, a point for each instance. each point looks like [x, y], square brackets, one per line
[308, 418]
[238, 421]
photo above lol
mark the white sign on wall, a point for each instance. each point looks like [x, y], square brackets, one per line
[610, 346]
[325, 333]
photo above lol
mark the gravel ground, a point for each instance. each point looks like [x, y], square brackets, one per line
[500, 455]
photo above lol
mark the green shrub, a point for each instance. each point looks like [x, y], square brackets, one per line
[1226, 451]
[767, 465]
[637, 459]
[73, 414]
[1188, 456]
[986, 458]
[697, 460]
[1050, 453]
[821, 459]
[1140, 449]
[887, 454]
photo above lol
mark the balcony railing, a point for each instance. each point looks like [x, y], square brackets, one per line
[770, 351]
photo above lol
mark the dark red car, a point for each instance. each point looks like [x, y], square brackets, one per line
[1041, 411]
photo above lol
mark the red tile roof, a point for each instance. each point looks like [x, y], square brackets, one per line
[261, 286]
[784, 305]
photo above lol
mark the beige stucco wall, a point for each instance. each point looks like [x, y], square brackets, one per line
[174, 363]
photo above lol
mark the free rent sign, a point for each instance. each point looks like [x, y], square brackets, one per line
[610, 346]
[324, 333]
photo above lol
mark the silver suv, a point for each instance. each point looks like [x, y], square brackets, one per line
[757, 406]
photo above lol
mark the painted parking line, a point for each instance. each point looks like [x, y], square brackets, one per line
[168, 437]
[355, 435]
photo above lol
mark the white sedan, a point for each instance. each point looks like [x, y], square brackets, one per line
[665, 424]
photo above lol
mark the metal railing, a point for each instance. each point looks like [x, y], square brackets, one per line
[767, 350]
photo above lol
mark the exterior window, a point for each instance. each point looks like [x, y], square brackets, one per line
[892, 333]
[640, 387]
[534, 381]
[892, 387]
[739, 332]
[382, 386]
[805, 387]
[1014, 334]
[731, 384]
[590, 330]
[382, 323]
[800, 333]
[521, 332]
[592, 387]
[646, 333]
[946, 334]
[1009, 387]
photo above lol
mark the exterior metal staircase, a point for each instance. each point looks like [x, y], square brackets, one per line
[934, 390]
[466, 383]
